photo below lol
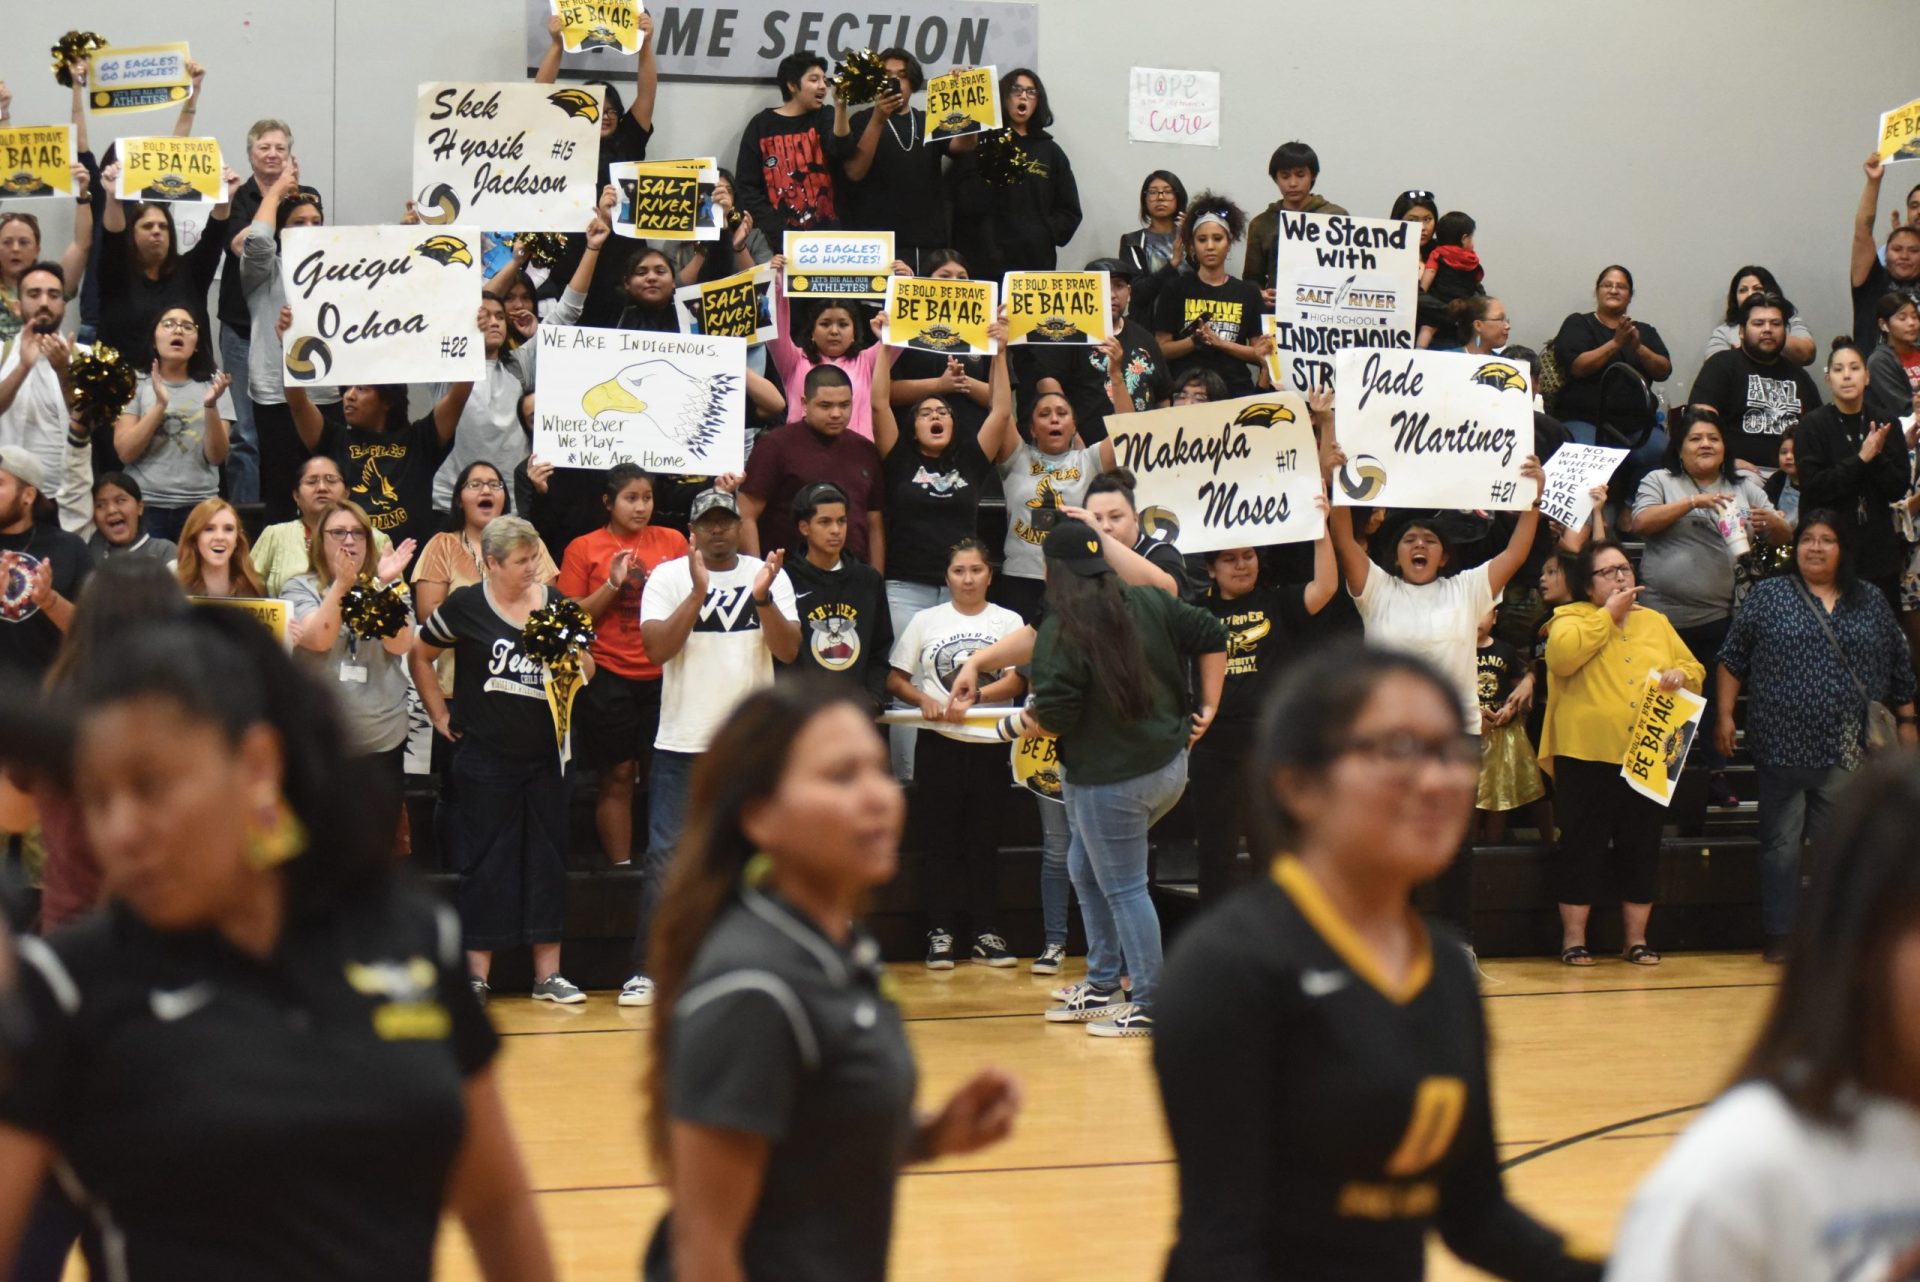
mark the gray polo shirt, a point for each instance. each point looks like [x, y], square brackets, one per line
[371, 684]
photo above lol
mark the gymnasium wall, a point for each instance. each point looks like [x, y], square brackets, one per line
[1682, 139]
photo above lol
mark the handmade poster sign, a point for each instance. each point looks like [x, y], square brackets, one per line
[1226, 474]
[1900, 133]
[963, 102]
[838, 264]
[1663, 733]
[382, 305]
[1181, 107]
[609, 25]
[945, 316]
[170, 169]
[35, 161]
[741, 306]
[667, 200]
[1058, 307]
[1571, 474]
[1341, 282]
[270, 614]
[669, 402]
[1432, 430]
[1037, 768]
[145, 78]
[522, 156]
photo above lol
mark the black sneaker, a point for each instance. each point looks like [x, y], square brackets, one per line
[480, 990]
[939, 950]
[991, 950]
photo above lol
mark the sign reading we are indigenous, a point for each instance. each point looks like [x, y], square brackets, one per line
[1432, 430]
[946, 316]
[1663, 732]
[610, 25]
[839, 264]
[181, 170]
[667, 200]
[669, 402]
[740, 306]
[963, 102]
[1058, 307]
[382, 305]
[1224, 475]
[143, 78]
[522, 156]
[1341, 282]
[1900, 133]
[36, 160]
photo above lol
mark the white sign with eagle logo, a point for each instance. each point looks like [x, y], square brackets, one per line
[670, 402]
[518, 156]
[382, 305]
[1432, 430]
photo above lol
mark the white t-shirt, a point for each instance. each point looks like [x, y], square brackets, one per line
[725, 657]
[937, 641]
[37, 421]
[1756, 1191]
[1438, 622]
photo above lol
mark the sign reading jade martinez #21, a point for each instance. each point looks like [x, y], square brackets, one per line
[1224, 475]
[1341, 282]
[669, 402]
[507, 155]
[382, 305]
[1432, 430]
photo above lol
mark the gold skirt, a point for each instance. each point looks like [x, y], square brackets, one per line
[1509, 775]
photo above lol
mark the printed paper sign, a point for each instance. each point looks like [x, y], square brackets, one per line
[1341, 282]
[271, 614]
[1058, 307]
[1037, 768]
[170, 169]
[1229, 474]
[35, 161]
[667, 200]
[520, 156]
[669, 402]
[741, 306]
[1432, 430]
[1663, 732]
[382, 305]
[1572, 472]
[838, 264]
[1181, 107]
[945, 316]
[145, 78]
[1900, 133]
[963, 102]
[609, 25]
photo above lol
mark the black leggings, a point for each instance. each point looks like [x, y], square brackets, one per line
[1217, 777]
[1606, 829]
[960, 791]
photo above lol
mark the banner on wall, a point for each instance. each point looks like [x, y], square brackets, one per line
[1571, 474]
[744, 40]
[740, 306]
[1224, 475]
[950, 317]
[1663, 734]
[667, 200]
[36, 161]
[1900, 133]
[1432, 430]
[1180, 107]
[669, 402]
[1341, 282]
[382, 305]
[1058, 307]
[963, 102]
[838, 264]
[178, 170]
[588, 25]
[145, 78]
[521, 156]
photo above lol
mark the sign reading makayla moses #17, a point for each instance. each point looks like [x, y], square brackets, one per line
[1432, 430]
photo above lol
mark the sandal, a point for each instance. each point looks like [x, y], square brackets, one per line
[1640, 955]
[1576, 956]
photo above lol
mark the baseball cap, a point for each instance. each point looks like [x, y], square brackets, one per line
[17, 461]
[1111, 266]
[712, 500]
[1076, 545]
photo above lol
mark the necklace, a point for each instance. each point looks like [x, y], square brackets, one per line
[473, 553]
[911, 138]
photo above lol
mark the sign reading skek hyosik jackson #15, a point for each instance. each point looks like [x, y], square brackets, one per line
[1432, 430]
[669, 402]
[382, 305]
[518, 156]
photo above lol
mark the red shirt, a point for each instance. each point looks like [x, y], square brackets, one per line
[617, 646]
[788, 459]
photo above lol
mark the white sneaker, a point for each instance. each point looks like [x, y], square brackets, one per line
[1083, 1004]
[1130, 1022]
[557, 988]
[1049, 961]
[637, 991]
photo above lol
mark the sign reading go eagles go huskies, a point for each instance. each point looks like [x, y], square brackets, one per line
[382, 305]
[519, 156]
[1432, 430]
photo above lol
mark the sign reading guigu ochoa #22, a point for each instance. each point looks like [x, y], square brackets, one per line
[382, 305]
[517, 156]
[1432, 430]
[669, 402]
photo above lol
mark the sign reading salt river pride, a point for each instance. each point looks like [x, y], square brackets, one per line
[1224, 475]
[507, 155]
[1341, 282]
[669, 402]
[382, 305]
[1432, 430]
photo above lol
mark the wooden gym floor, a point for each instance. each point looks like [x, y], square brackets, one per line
[1595, 1072]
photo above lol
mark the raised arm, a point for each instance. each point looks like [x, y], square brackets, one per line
[448, 409]
[646, 77]
[1355, 564]
[549, 69]
[998, 436]
[214, 441]
[73, 259]
[1865, 252]
[886, 428]
[183, 123]
[1502, 568]
[1326, 569]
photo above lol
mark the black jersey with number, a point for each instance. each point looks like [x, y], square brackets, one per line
[1325, 1119]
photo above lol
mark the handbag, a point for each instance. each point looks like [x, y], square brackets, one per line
[1882, 731]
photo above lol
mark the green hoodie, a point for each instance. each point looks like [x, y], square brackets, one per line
[1264, 231]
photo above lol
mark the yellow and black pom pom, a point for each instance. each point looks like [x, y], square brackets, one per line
[1004, 163]
[75, 46]
[372, 613]
[103, 384]
[555, 635]
[862, 78]
[544, 248]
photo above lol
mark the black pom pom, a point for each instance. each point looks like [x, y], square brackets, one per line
[372, 613]
[555, 635]
[103, 384]
[862, 78]
[75, 46]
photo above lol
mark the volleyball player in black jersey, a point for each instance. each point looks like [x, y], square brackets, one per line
[1331, 1104]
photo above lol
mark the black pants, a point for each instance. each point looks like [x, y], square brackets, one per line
[505, 820]
[1217, 778]
[959, 791]
[1606, 829]
[1022, 596]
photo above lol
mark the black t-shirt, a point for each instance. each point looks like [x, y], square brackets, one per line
[1082, 374]
[1581, 399]
[1235, 309]
[913, 363]
[931, 505]
[1756, 402]
[627, 145]
[499, 693]
[1866, 302]
[783, 176]
[1165, 556]
[28, 638]
[390, 474]
[291, 1118]
[902, 192]
[1261, 628]
[1498, 667]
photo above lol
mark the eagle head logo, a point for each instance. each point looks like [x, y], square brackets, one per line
[577, 102]
[1265, 414]
[437, 204]
[1501, 377]
[444, 249]
[171, 184]
[687, 409]
[309, 358]
[21, 181]
[942, 338]
[1363, 478]
[600, 38]
[952, 121]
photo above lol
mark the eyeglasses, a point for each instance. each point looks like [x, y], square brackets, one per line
[1159, 191]
[1612, 571]
[1496, 320]
[1405, 751]
[178, 326]
[479, 485]
[315, 480]
[345, 536]
[1023, 91]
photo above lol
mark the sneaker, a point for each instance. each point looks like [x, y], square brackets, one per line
[556, 988]
[939, 950]
[1066, 991]
[480, 990]
[1083, 1003]
[1130, 1022]
[1049, 960]
[991, 950]
[637, 991]
[1777, 950]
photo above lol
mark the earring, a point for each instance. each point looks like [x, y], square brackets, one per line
[756, 870]
[281, 838]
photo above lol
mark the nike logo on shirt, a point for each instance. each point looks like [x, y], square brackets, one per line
[178, 1003]
[1323, 983]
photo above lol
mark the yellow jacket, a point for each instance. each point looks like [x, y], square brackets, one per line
[1597, 674]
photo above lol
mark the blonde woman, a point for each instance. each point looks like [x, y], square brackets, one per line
[214, 554]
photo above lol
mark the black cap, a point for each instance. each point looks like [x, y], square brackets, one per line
[1076, 545]
[1111, 266]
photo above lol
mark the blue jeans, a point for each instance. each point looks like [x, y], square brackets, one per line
[243, 454]
[1795, 802]
[904, 600]
[1056, 888]
[667, 784]
[1108, 862]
